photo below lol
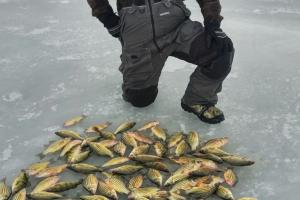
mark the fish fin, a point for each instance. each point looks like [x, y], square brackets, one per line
[108, 123]
[29, 184]
[52, 160]
[61, 158]
[41, 155]
[3, 179]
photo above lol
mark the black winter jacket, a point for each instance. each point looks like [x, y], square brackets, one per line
[101, 9]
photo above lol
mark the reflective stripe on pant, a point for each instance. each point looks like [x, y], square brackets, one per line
[176, 36]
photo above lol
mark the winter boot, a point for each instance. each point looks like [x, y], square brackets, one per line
[207, 113]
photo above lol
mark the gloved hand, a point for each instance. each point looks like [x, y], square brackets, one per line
[104, 12]
[214, 34]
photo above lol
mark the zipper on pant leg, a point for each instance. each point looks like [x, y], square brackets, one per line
[153, 26]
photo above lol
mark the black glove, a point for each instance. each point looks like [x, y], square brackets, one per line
[104, 12]
[115, 31]
[214, 34]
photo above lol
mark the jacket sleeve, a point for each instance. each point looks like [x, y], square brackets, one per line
[104, 12]
[211, 10]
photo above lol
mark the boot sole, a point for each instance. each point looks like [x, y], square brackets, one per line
[216, 120]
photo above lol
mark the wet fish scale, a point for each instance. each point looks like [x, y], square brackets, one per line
[76, 155]
[74, 120]
[176, 178]
[4, 191]
[216, 151]
[45, 196]
[115, 161]
[109, 143]
[147, 192]
[140, 137]
[193, 140]
[203, 191]
[106, 134]
[84, 168]
[237, 160]
[129, 140]
[155, 176]
[52, 171]
[136, 182]
[117, 184]
[97, 127]
[182, 148]
[93, 197]
[148, 125]
[159, 133]
[21, 195]
[126, 169]
[64, 186]
[45, 184]
[90, 183]
[160, 149]
[147, 158]
[107, 190]
[69, 134]
[141, 149]
[230, 177]
[69, 147]
[120, 148]
[19, 182]
[175, 139]
[209, 157]
[157, 165]
[35, 168]
[57, 146]
[125, 127]
[224, 193]
[100, 149]
[216, 143]
[183, 185]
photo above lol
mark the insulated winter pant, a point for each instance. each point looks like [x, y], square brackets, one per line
[150, 34]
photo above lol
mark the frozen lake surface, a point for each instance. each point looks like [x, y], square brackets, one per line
[56, 61]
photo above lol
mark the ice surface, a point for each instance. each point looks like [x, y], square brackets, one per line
[57, 61]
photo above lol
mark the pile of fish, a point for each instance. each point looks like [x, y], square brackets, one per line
[141, 164]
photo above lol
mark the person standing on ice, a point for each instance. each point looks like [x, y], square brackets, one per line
[152, 30]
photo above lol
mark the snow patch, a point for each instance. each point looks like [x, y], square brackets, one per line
[51, 128]
[68, 57]
[39, 31]
[65, 2]
[257, 11]
[54, 108]
[286, 132]
[5, 61]
[30, 115]
[12, 97]
[53, 21]
[13, 28]
[6, 154]
[4, 1]
[59, 89]
[92, 69]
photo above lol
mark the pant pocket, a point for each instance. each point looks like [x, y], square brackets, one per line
[167, 17]
[137, 67]
[182, 6]
[189, 30]
[135, 26]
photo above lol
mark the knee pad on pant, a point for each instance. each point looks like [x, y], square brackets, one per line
[142, 97]
[220, 67]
